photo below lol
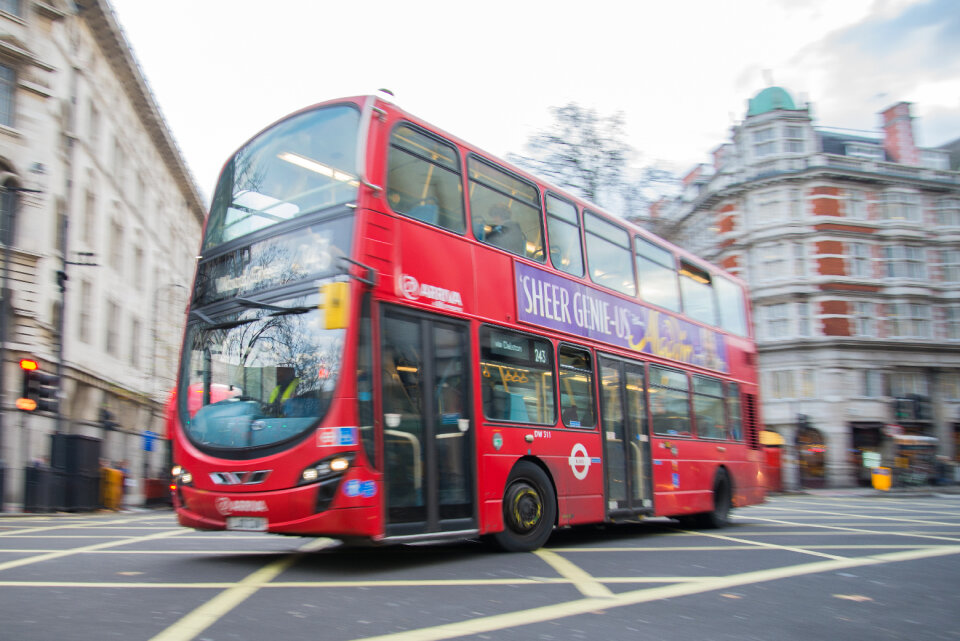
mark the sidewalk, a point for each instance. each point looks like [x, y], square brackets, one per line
[900, 492]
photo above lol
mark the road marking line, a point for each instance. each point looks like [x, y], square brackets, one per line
[401, 583]
[812, 514]
[67, 526]
[772, 546]
[848, 530]
[580, 578]
[97, 546]
[213, 610]
[583, 606]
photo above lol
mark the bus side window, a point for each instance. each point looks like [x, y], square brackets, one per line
[657, 272]
[505, 210]
[423, 180]
[516, 377]
[577, 407]
[696, 291]
[609, 255]
[708, 407]
[563, 225]
[669, 401]
[735, 412]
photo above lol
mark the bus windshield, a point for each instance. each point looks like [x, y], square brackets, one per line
[259, 376]
[301, 165]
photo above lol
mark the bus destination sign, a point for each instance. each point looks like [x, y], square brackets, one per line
[549, 300]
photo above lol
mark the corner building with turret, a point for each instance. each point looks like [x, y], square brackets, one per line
[850, 243]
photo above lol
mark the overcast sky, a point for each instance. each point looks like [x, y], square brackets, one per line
[681, 71]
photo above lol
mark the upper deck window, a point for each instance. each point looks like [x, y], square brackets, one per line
[424, 179]
[505, 210]
[657, 273]
[608, 253]
[696, 290]
[732, 305]
[301, 165]
[563, 225]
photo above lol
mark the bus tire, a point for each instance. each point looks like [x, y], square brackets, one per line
[722, 502]
[529, 509]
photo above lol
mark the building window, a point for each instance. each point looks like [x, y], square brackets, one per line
[858, 260]
[773, 262]
[948, 212]
[905, 261]
[112, 342]
[808, 388]
[864, 319]
[764, 142]
[9, 203]
[951, 321]
[856, 204]
[89, 216]
[86, 305]
[768, 207]
[908, 320]
[8, 87]
[901, 205]
[950, 386]
[781, 384]
[950, 265]
[776, 321]
[135, 343]
[872, 152]
[794, 139]
[872, 383]
[803, 319]
[904, 383]
[116, 246]
[10, 6]
[94, 123]
[799, 259]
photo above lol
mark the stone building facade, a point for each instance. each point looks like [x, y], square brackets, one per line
[101, 220]
[850, 243]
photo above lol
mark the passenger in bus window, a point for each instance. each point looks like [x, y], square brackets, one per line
[504, 232]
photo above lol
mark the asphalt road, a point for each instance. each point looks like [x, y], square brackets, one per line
[797, 567]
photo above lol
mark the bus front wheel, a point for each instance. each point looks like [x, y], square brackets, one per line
[529, 509]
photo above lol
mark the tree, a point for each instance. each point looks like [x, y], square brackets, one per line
[587, 153]
[581, 151]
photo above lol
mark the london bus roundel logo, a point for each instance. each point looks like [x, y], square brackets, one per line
[409, 287]
[579, 461]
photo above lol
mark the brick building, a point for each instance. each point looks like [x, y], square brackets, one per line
[850, 242]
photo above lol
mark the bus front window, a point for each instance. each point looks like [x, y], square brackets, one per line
[303, 164]
[262, 375]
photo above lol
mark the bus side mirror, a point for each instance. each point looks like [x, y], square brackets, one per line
[335, 302]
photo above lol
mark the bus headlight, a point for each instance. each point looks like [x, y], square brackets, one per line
[328, 468]
[181, 476]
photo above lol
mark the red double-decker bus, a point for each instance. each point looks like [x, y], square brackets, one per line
[394, 336]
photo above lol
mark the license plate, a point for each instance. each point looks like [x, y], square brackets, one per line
[247, 523]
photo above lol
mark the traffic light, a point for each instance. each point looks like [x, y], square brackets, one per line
[40, 389]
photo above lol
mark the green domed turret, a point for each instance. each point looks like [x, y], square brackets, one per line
[770, 99]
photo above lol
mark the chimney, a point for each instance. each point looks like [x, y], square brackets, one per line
[898, 134]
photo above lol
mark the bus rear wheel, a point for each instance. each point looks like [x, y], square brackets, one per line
[529, 509]
[722, 502]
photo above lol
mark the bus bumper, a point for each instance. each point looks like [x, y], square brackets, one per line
[291, 511]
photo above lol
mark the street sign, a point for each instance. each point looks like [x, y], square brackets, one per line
[148, 438]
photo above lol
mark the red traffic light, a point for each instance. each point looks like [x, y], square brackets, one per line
[29, 364]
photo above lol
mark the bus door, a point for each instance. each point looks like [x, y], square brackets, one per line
[626, 437]
[428, 442]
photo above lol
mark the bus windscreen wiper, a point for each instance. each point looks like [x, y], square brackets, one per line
[277, 309]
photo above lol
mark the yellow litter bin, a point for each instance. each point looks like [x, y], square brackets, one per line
[881, 478]
[111, 488]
